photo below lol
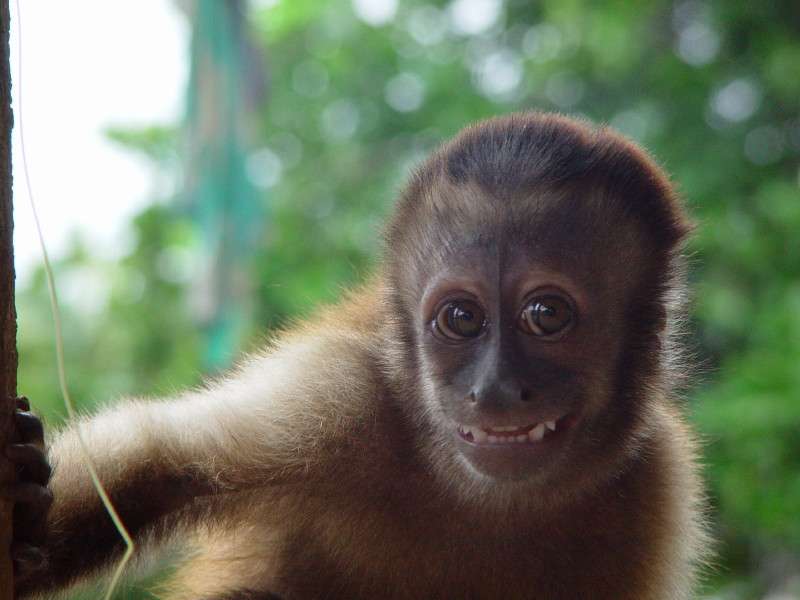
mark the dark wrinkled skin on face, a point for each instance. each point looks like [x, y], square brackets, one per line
[507, 376]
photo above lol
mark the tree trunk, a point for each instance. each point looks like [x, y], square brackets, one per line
[8, 316]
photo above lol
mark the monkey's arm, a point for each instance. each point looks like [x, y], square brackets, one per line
[167, 464]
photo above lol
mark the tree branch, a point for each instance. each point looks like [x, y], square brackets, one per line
[8, 316]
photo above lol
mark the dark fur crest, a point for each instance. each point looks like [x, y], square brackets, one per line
[511, 156]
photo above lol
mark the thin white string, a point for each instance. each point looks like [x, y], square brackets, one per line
[59, 340]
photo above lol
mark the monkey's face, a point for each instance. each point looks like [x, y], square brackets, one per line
[507, 365]
[530, 267]
[521, 349]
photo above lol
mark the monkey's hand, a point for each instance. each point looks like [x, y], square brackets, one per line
[30, 494]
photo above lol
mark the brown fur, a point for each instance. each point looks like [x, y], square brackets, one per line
[323, 467]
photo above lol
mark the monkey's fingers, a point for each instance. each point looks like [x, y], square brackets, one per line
[29, 428]
[32, 494]
[31, 463]
[31, 505]
[28, 561]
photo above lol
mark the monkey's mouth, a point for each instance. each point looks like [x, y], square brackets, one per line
[531, 433]
[516, 451]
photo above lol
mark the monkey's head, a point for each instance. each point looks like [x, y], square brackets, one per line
[532, 262]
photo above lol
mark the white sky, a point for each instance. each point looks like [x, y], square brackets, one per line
[85, 66]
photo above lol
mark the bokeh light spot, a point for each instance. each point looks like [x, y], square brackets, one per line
[564, 89]
[542, 42]
[405, 92]
[375, 12]
[764, 145]
[737, 100]
[340, 120]
[471, 17]
[264, 168]
[427, 25]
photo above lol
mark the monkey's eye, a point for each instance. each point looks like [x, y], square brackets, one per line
[546, 315]
[460, 319]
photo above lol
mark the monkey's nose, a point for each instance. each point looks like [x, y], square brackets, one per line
[500, 394]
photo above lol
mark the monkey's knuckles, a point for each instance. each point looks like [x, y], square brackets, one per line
[29, 493]
[28, 561]
[30, 462]
[27, 450]
[28, 428]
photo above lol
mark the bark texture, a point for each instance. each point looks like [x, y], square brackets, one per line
[8, 316]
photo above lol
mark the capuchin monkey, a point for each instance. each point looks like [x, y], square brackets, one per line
[493, 415]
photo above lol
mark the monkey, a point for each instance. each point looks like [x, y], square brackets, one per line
[494, 413]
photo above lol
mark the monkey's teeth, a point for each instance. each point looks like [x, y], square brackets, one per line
[507, 434]
[474, 434]
[537, 433]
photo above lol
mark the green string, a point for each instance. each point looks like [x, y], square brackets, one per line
[59, 342]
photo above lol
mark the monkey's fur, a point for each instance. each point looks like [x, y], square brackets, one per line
[328, 465]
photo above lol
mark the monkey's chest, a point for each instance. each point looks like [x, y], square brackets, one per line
[375, 554]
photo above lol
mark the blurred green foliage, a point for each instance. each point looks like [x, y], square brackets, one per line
[712, 88]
